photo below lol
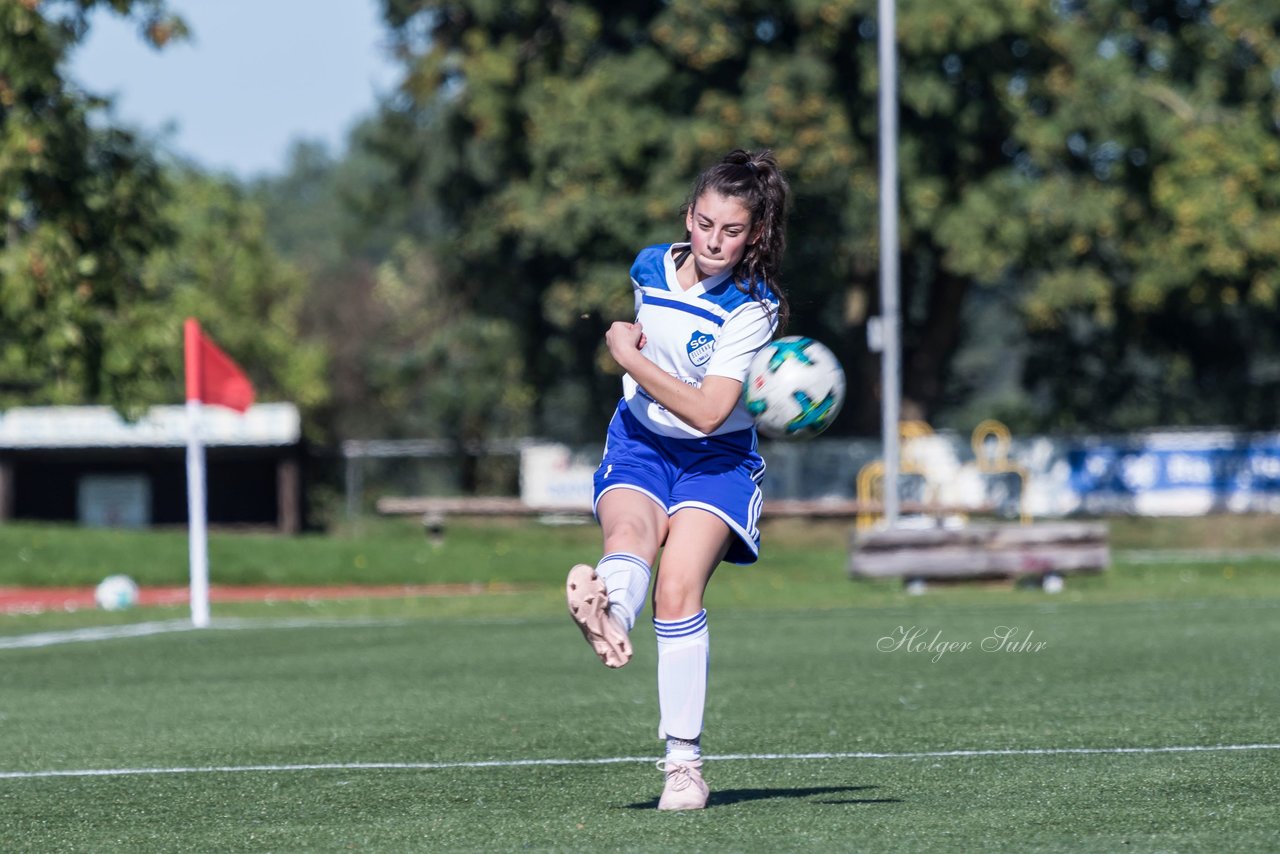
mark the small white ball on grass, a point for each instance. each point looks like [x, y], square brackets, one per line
[115, 593]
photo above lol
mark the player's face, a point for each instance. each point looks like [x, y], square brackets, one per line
[720, 231]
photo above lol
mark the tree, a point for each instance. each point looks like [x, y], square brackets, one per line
[407, 357]
[448, 371]
[222, 269]
[318, 216]
[82, 210]
[105, 248]
[552, 142]
[1048, 151]
[1139, 215]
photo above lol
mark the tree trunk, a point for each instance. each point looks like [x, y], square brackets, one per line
[934, 341]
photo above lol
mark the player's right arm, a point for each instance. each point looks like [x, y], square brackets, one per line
[704, 408]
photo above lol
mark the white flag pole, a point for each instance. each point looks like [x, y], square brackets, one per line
[198, 540]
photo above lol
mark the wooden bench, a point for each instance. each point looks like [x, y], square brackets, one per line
[435, 511]
[1044, 550]
[474, 506]
[440, 508]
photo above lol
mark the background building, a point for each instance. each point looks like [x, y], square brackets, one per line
[87, 464]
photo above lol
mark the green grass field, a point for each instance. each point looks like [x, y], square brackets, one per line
[1135, 711]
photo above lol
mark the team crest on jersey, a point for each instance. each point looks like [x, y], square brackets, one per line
[700, 347]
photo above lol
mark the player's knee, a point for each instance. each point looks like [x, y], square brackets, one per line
[629, 526]
[631, 534]
[675, 597]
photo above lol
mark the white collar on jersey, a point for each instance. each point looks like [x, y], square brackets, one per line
[701, 287]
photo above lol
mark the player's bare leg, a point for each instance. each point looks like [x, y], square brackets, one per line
[696, 544]
[604, 600]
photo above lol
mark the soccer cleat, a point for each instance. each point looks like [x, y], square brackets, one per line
[685, 789]
[589, 607]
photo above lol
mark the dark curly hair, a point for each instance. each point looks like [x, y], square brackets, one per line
[754, 179]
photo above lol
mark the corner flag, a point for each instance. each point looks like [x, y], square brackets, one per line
[211, 378]
[211, 375]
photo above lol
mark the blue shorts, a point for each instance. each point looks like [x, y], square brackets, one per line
[719, 474]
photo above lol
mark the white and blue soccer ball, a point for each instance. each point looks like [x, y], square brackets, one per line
[794, 389]
[115, 593]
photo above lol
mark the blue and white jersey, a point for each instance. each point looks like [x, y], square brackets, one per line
[711, 329]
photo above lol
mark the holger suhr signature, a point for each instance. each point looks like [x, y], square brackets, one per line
[922, 641]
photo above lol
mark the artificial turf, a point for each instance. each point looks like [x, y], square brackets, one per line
[418, 732]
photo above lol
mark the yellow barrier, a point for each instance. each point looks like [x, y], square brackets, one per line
[990, 457]
[872, 474]
[993, 458]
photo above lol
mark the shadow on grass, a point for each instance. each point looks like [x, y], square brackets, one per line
[725, 797]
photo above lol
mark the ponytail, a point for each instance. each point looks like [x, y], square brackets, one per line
[754, 179]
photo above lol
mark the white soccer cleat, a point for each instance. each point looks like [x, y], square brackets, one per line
[589, 606]
[685, 789]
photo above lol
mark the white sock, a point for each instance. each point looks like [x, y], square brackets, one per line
[684, 648]
[626, 577]
[683, 750]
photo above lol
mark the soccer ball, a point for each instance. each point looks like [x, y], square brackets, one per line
[794, 388]
[115, 593]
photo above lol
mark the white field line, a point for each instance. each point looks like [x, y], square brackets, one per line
[137, 630]
[97, 633]
[134, 630]
[626, 760]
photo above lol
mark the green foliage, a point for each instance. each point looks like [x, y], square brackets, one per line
[82, 208]
[449, 371]
[105, 250]
[1138, 214]
[409, 356]
[1089, 212]
[556, 141]
[222, 270]
[361, 269]
[1110, 169]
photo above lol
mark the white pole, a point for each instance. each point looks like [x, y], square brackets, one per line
[198, 540]
[891, 355]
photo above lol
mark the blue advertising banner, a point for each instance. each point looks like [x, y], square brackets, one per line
[1177, 473]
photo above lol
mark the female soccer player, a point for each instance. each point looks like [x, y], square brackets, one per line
[681, 471]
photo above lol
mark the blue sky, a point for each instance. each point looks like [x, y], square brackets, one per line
[255, 76]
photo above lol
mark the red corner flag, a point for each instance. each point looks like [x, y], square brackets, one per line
[211, 375]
